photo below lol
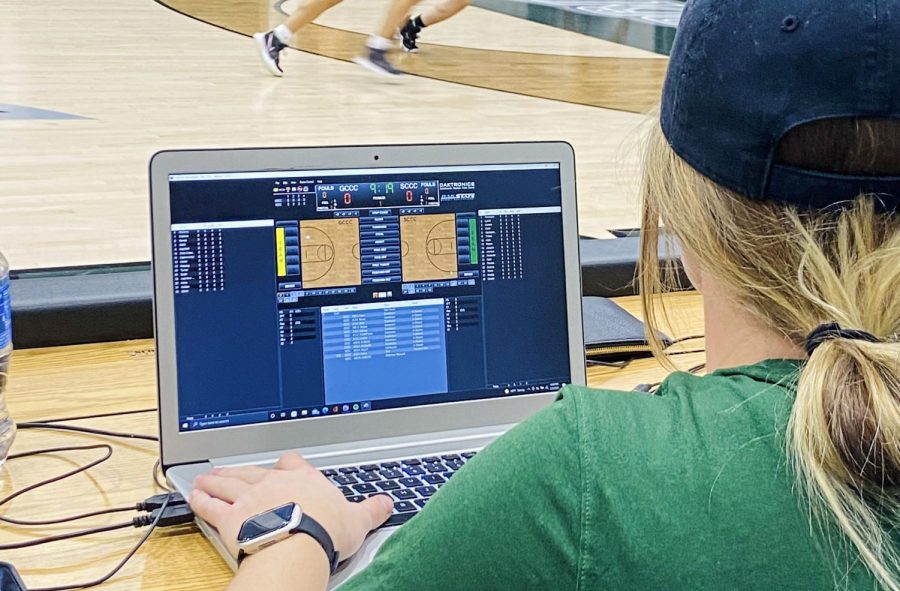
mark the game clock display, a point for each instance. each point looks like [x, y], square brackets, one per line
[380, 194]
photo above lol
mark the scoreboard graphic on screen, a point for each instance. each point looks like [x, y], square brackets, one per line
[381, 194]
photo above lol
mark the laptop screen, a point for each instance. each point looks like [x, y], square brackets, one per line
[305, 294]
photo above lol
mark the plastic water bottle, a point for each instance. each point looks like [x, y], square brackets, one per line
[7, 426]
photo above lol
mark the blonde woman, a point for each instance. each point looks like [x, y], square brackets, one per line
[776, 165]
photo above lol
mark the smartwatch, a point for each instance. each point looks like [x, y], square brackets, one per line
[270, 527]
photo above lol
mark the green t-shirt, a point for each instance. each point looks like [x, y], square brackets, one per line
[685, 489]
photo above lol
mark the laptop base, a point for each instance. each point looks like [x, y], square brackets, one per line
[181, 479]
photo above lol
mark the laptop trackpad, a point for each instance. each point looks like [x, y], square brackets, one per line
[361, 559]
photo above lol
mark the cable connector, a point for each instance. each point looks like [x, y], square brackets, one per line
[171, 516]
[156, 501]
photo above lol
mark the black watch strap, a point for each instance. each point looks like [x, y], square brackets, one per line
[312, 528]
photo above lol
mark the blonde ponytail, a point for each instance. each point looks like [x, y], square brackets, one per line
[844, 441]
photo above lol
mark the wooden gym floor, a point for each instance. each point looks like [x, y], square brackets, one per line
[90, 90]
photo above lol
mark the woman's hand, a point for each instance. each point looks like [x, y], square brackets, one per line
[226, 497]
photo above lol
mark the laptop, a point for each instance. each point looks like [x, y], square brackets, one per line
[386, 311]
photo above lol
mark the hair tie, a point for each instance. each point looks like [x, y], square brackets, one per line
[832, 330]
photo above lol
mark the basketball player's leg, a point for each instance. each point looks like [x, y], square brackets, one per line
[440, 12]
[272, 42]
[307, 12]
[397, 12]
[381, 41]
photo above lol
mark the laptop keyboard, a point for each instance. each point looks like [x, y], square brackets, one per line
[410, 482]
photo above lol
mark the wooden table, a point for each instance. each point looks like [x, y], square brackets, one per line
[114, 377]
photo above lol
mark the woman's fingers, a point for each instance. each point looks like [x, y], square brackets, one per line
[291, 461]
[221, 487]
[209, 509]
[228, 496]
[249, 474]
[376, 510]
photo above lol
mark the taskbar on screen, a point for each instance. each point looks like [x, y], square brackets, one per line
[232, 419]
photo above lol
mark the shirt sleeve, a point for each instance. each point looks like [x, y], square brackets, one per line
[509, 519]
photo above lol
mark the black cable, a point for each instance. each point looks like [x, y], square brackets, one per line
[624, 363]
[601, 363]
[97, 416]
[156, 474]
[66, 536]
[37, 485]
[55, 521]
[59, 520]
[181, 513]
[88, 430]
[148, 504]
[73, 472]
[693, 337]
[173, 510]
[687, 352]
[121, 564]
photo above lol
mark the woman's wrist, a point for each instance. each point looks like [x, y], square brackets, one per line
[299, 560]
[226, 497]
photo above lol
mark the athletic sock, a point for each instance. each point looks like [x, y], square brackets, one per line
[283, 34]
[379, 43]
[417, 22]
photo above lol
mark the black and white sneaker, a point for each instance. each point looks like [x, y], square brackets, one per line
[376, 61]
[269, 47]
[408, 36]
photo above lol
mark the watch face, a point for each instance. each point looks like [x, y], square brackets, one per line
[266, 523]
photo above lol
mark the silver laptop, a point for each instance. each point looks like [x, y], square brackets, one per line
[387, 311]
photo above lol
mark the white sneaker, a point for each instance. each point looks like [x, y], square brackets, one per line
[376, 61]
[269, 47]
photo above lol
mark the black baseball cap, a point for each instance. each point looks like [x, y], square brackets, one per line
[743, 73]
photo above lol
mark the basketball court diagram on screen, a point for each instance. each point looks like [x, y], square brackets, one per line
[329, 253]
[428, 247]
[330, 250]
